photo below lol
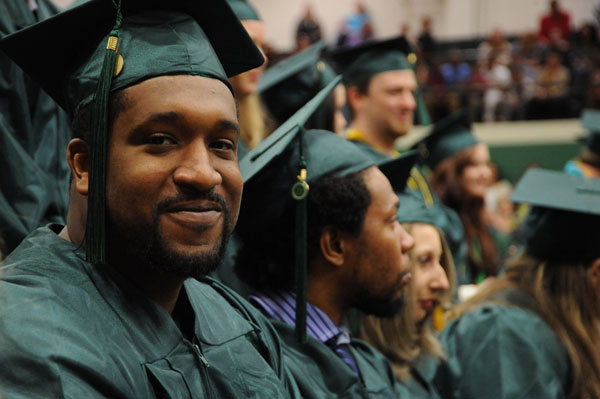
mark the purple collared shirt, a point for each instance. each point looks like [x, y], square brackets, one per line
[281, 305]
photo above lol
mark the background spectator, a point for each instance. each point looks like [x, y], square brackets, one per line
[552, 85]
[555, 19]
[353, 30]
[496, 45]
[425, 39]
[499, 78]
[308, 30]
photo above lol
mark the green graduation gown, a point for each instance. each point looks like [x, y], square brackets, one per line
[69, 329]
[501, 352]
[34, 133]
[321, 373]
[425, 373]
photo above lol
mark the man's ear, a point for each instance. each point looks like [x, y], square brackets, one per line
[78, 156]
[594, 274]
[332, 246]
[355, 97]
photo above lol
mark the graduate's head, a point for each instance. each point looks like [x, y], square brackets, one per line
[245, 83]
[432, 268]
[352, 240]
[460, 163]
[409, 334]
[156, 125]
[381, 85]
[289, 84]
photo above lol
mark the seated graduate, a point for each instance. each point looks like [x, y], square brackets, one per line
[109, 305]
[384, 101]
[460, 174]
[252, 114]
[289, 84]
[320, 236]
[534, 332]
[408, 339]
[587, 164]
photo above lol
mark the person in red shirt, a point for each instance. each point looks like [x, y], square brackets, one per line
[556, 19]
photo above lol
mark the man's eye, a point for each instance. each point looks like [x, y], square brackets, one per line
[224, 145]
[159, 139]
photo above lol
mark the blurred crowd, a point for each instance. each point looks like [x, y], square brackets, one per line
[551, 73]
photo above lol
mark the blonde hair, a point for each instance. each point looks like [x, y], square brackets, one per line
[252, 116]
[400, 338]
[566, 300]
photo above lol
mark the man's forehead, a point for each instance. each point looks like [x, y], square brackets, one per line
[168, 89]
[401, 78]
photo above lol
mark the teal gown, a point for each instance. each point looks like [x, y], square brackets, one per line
[34, 133]
[503, 352]
[427, 376]
[320, 373]
[69, 329]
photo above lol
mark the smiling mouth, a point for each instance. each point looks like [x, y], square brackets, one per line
[195, 214]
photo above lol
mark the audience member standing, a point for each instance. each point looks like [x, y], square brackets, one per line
[556, 19]
[308, 31]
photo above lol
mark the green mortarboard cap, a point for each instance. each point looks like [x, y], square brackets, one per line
[289, 84]
[361, 62]
[563, 223]
[243, 10]
[448, 137]
[398, 169]
[414, 210]
[273, 173]
[85, 53]
[65, 53]
[590, 120]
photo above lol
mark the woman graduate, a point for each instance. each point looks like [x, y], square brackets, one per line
[534, 332]
[252, 115]
[460, 174]
[408, 340]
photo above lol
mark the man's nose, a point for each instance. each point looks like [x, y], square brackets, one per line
[196, 168]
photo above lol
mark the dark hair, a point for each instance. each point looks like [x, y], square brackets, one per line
[82, 120]
[445, 181]
[266, 260]
[362, 86]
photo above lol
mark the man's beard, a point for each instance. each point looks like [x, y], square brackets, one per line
[379, 305]
[148, 247]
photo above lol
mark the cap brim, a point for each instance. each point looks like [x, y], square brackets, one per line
[290, 66]
[50, 50]
[558, 190]
[397, 170]
[276, 142]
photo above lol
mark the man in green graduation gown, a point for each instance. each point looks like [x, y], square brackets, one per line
[383, 100]
[107, 306]
[315, 207]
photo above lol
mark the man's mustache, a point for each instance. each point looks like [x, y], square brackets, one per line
[210, 195]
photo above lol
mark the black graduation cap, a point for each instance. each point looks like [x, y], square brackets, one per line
[563, 224]
[590, 120]
[446, 138]
[278, 172]
[85, 53]
[289, 84]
